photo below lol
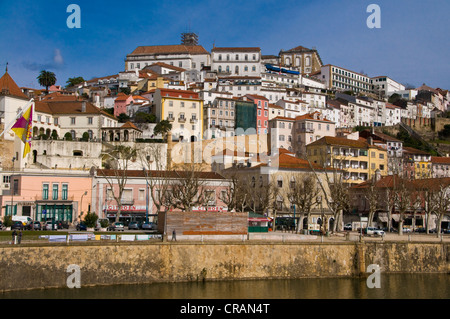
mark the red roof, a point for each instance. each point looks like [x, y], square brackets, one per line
[169, 49]
[179, 93]
[440, 160]
[9, 87]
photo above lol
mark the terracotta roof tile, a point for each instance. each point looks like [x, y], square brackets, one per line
[9, 87]
[173, 49]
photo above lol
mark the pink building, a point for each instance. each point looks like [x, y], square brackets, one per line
[262, 112]
[121, 102]
[43, 195]
[136, 194]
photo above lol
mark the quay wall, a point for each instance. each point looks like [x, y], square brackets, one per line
[46, 265]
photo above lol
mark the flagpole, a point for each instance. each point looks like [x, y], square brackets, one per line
[30, 103]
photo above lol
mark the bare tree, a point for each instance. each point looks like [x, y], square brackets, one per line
[260, 192]
[403, 196]
[442, 199]
[372, 197]
[188, 187]
[335, 190]
[116, 173]
[302, 192]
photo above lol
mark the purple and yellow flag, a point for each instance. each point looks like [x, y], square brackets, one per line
[23, 129]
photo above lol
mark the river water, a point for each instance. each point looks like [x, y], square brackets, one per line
[392, 286]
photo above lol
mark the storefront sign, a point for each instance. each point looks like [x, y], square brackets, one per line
[125, 208]
[210, 209]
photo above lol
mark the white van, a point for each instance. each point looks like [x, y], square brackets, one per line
[24, 219]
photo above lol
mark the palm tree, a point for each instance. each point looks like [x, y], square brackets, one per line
[162, 128]
[46, 78]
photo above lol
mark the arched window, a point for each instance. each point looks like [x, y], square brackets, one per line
[220, 68]
[73, 133]
[236, 69]
[228, 69]
[287, 61]
[308, 61]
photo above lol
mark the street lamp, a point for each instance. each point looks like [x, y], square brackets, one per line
[11, 187]
[81, 204]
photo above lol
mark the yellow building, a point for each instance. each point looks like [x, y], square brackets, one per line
[184, 110]
[359, 159]
[417, 163]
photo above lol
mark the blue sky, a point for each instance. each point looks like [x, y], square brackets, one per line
[411, 46]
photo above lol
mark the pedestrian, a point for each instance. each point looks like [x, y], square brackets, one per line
[14, 233]
[174, 235]
[20, 236]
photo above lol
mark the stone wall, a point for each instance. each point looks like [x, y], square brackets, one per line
[45, 266]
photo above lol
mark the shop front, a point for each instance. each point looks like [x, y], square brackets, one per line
[48, 211]
[128, 213]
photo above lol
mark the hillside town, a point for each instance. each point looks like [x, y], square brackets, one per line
[298, 143]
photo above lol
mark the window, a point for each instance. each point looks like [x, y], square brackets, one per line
[90, 120]
[73, 120]
[55, 121]
[65, 192]
[141, 194]
[55, 191]
[45, 191]
[182, 104]
[170, 103]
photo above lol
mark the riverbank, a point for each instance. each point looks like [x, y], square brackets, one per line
[37, 265]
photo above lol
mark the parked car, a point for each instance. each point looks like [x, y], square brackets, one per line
[50, 226]
[81, 226]
[134, 225]
[348, 227]
[116, 226]
[62, 224]
[17, 225]
[148, 226]
[446, 231]
[373, 231]
[37, 225]
[406, 230]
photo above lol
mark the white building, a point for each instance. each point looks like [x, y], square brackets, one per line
[189, 57]
[230, 61]
[383, 86]
[341, 79]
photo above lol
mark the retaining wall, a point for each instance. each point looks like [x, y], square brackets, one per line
[45, 266]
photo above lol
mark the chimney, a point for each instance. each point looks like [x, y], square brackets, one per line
[377, 175]
[83, 106]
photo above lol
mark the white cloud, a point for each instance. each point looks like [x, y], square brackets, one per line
[58, 59]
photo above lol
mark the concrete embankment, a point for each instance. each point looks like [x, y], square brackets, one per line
[33, 266]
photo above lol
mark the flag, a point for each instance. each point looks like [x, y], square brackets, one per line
[23, 129]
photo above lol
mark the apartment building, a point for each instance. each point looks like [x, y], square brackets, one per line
[183, 109]
[417, 164]
[236, 61]
[384, 86]
[219, 118]
[359, 159]
[262, 112]
[341, 79]
[440, 166]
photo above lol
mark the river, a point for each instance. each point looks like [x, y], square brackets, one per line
[392, 286]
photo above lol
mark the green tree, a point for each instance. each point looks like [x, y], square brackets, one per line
[126, 90]
[74, 81]
[68, 136]
[123, 117]
[85, 137]
[163, 128]
[90, 219]
[142, 117]
[46, 79]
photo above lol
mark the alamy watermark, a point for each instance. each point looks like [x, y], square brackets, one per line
[74, 279]
[373, 281]
[74, 19]
[374, 20]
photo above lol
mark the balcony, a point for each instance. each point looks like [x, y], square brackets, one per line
[182, 120]
[170, 119]
[127, 201]
[193, 120]
[305, 130]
